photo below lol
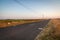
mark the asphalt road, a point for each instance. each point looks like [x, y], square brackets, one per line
[23, 32]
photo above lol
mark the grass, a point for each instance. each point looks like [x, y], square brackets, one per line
[49, 32]
[56, 23]
[12, 22]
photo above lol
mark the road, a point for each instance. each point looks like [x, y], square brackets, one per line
[22, 32]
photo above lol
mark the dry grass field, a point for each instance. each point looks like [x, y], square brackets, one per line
[8, 23]
[51, 31]
[56, 23]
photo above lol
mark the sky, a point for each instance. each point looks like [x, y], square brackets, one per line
[29, 9]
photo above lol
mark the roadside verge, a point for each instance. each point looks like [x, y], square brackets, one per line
[47, 33]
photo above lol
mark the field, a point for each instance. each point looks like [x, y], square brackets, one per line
[56, 23]
[13, 22]
[51, 31]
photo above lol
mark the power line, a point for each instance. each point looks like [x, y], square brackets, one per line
[25, 6]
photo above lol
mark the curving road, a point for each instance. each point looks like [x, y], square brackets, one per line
[23, 32]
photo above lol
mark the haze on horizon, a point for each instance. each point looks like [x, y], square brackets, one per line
[29, 9]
